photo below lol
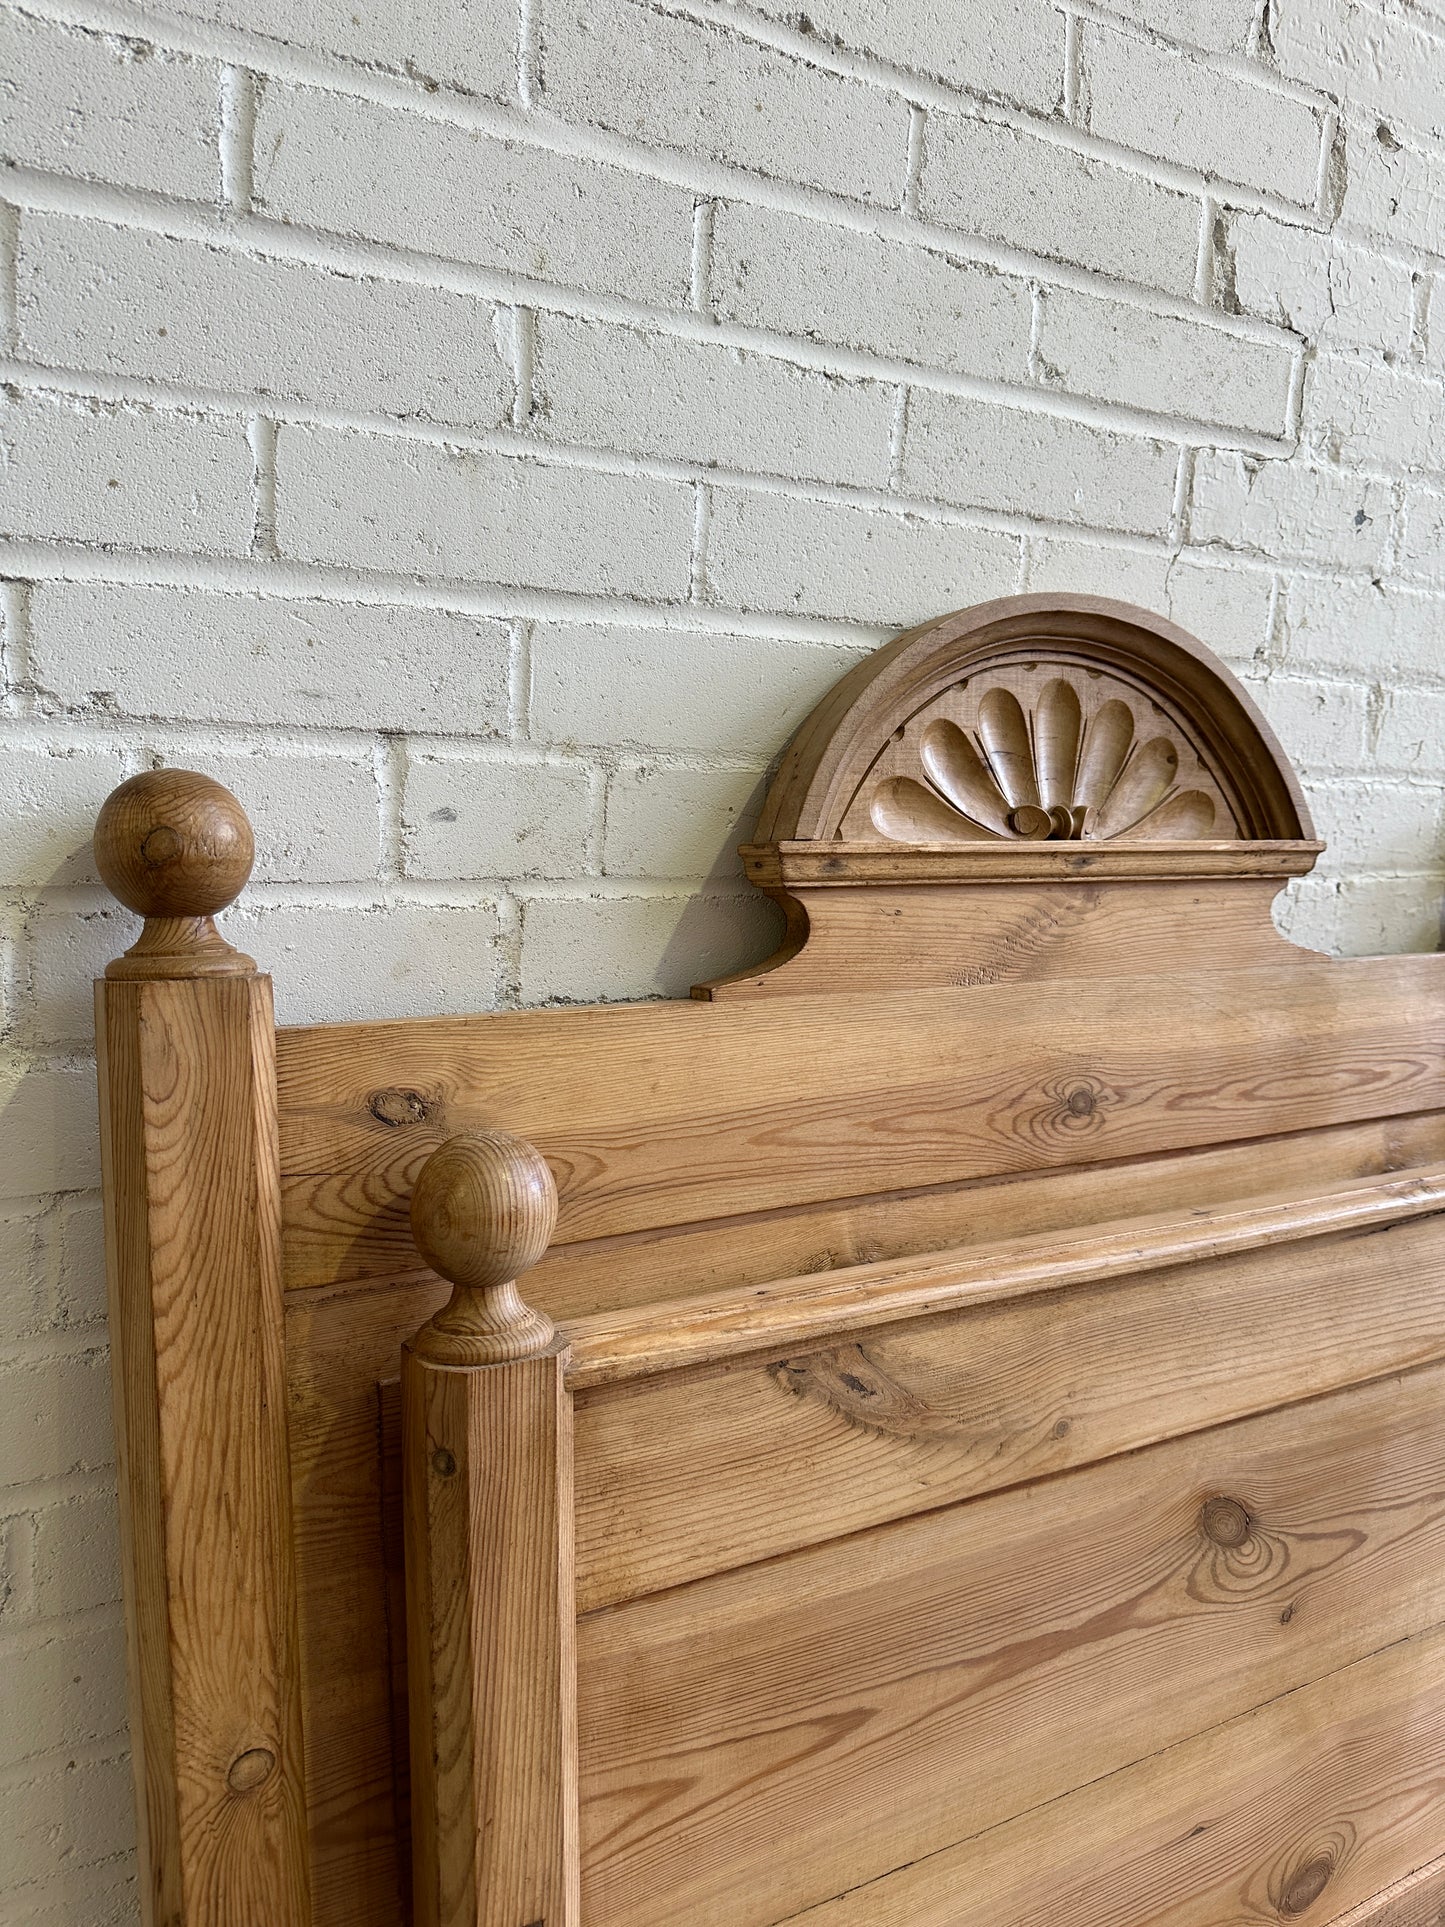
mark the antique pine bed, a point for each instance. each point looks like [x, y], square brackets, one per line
[945, 1429]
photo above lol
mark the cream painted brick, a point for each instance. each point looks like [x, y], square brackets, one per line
[314, 812]
[77, 1554]
[1012, 186]
[400, 958]
[393, 503]
[672, 82]
[325, 160]
[1392, 188]
[1161, 101]
[54, 1419]
[1422, 547]
[802, 277]
[128, 302]
[42, 1815]
[590, 949]
[26, 1238]
[1321, 724]
[823, 558]
[1362, 411]
[51, 1137]
[1279, 508]
[67, 1689]
[1318, 286]
[64, 952]
[978, 454]
[1411, 730]
[470, 44]
[601, 386]
[1227, 608]
[672, 823]
[1379, 826]
[672, 690]
[1222, 26]
[1357, 628]
[77, 101]
[253, 659]
[102, 1896]
[49, 796]
[130, 478]
[464, 817]
[1013, 49]
[1383, 916]
[80, 1275]
[1388, 64]
[1115, 351]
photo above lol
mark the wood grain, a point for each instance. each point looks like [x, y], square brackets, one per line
[896, 936]
[674, 1261]
[877, 1699]
[671, 1114]
[1309, 1805]
[698, 1471]
[193, 1256]
[491, 1668]
[611, 1346]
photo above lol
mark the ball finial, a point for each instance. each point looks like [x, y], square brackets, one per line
[483, 1212]
[172, 843]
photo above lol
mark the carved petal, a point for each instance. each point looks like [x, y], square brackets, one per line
[906, 812]
[955, 767]
[1146, 781]
[1111, 734]
[1187, 816]
[1005, 732]
[1058, 725]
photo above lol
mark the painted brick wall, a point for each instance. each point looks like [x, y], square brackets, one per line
[477, 430]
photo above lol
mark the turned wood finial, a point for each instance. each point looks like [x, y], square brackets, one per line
[483, 1212]
[175, 847]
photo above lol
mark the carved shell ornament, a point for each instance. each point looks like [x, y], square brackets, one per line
[1044, 757]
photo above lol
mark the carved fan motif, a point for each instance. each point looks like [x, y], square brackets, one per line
[1042, 763]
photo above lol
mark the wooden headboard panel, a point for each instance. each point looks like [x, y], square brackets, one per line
[967, 1446]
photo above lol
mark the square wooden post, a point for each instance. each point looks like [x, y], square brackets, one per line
[186, 1042]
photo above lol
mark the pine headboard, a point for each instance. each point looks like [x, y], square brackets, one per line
[945, 1428]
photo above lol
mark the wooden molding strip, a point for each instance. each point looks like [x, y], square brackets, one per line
[844, 865]
[611, 1346]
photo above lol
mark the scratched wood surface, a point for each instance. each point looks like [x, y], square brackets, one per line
[869, 1701]
[1317, 1806]
[678, 1475]
[675, 1113]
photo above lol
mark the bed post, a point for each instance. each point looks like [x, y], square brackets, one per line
[487, 1430]
[186, 1058]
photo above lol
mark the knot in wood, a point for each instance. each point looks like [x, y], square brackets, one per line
[1225, 1521]
[1304, 1887]
[251, 1769]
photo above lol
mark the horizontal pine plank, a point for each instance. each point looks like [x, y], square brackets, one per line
[678, 1113]
[696, 1471]
[757, 1742]
[1319, 1802]
[611, 1346]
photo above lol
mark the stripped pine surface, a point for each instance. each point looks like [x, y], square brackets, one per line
[673, 1114]
[865, 1701]
[1315, 1806]
[695, 1471]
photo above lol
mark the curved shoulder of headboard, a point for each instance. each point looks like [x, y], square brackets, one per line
[1067, 743]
